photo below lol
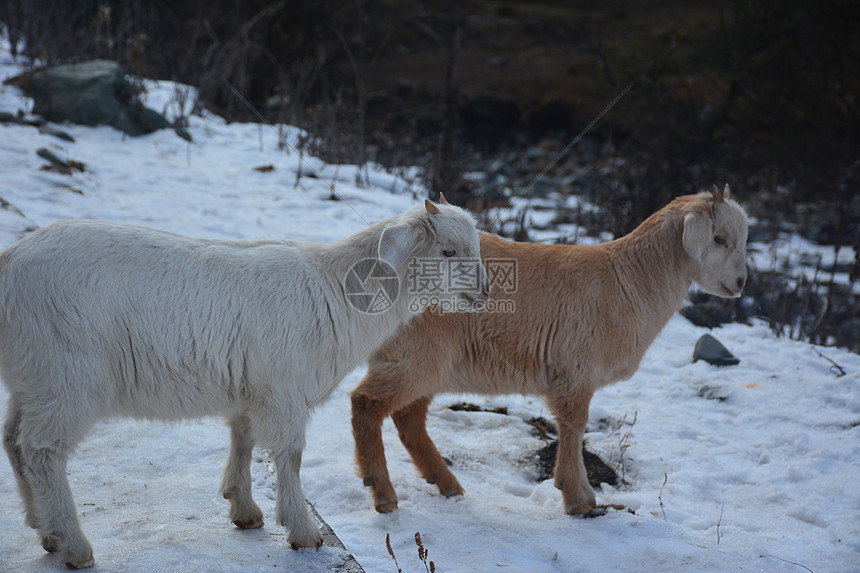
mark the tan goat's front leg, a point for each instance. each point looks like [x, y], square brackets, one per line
[367, 417]
[411, 423]
[571, 476]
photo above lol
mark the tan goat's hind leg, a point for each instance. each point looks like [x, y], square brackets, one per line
[367, 417]
[411, 422]
[571, 476]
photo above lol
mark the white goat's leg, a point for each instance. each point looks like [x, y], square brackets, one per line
[54, 508]
[236, 485]
[571, 476]
[291, 508]
[11, 431]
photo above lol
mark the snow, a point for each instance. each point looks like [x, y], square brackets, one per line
[761, 479]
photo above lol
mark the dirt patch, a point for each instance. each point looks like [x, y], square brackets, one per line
[467, 407]
[598, 471]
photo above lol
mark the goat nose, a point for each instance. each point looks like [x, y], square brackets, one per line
[486, 292]
[741, 282]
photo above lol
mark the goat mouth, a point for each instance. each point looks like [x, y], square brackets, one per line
[732, 293]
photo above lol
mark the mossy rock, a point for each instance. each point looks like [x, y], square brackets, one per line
[94, 92]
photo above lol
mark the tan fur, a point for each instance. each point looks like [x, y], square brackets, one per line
[584, 317]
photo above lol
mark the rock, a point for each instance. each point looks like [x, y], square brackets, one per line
[51, 157]
[21, 119]
[717, 393]
[88, 93]
[713, 352]
[94, 93]
[183, 133]
[58, 165]
[708, 314]
[48, 130]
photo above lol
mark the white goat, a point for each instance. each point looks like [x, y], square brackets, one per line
[102, 320]
[583, 318]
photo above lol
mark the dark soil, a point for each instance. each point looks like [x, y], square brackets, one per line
[466, 407]
[598, 471]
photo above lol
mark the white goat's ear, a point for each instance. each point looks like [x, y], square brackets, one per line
[716, 194]
[697, 235]
[431, 208]
[397, 243]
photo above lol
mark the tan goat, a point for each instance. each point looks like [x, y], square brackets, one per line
[583, 318]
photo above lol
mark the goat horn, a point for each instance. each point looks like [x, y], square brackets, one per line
[442, 200]
[431, 208]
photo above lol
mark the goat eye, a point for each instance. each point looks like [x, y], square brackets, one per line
[720, 240]
[449, 253]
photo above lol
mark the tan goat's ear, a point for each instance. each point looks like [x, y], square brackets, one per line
[727, 193]
[431, 208]
[442, 200]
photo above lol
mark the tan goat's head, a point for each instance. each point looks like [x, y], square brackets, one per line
[715, 237]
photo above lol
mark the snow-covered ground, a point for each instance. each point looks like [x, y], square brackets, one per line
[760, 477]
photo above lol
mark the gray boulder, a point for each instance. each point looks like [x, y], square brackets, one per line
[713, 352]
[95, 92]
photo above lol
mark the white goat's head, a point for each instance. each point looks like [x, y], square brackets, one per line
[438, 254]
[715, 237]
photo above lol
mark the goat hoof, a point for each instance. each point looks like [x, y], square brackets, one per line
[315, 543]
[49, 544]
[254, 522]
[452, 491]
[449, 486]
[580, 509]
[81, 563]
[386, 506]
